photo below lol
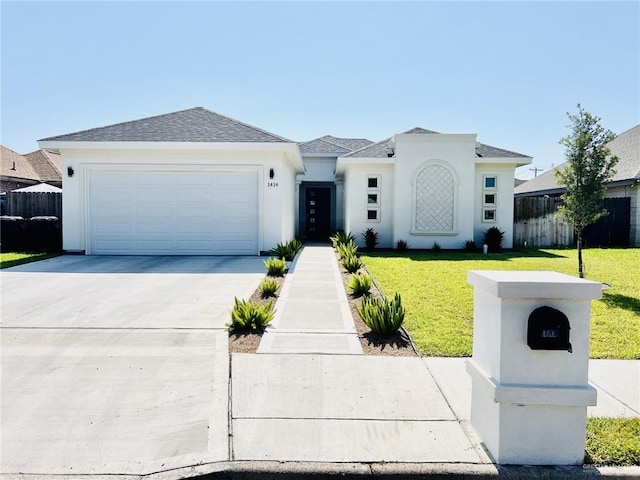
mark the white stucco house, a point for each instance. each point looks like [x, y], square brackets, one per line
[195, 182]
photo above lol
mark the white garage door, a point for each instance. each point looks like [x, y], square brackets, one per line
[173, 213]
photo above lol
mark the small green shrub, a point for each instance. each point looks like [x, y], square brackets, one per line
[436, 247]
[269, 287]
[493, 238]
[352, 263]
[340, 238]
[348, 249]
[251, 316]
[370, 237]
[360, 284]
[401, 246]
[382, 316]
[287, 250]
[469, 246]
[295, 245]
[275, 266]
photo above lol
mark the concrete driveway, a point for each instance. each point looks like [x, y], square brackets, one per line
[117, 364]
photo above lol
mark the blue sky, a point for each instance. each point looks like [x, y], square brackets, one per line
[508, 71]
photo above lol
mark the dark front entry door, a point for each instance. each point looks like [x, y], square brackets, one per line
[317, 212]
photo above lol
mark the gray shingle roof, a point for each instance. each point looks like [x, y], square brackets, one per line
[625, 146]
[330, 144]
[193, 125]
[321, 146]
[375, 150]
[350, 144]
[381, 149]
[483, 150]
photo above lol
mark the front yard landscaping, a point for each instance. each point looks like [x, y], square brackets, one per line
[439, 301]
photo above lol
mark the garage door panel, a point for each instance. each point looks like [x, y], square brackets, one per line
[173, 213]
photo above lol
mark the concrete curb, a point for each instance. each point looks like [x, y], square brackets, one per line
[254, 470]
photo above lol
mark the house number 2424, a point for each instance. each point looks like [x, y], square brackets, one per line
[272, 184]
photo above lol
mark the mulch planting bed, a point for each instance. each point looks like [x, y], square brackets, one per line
[243, 341]
[398, 344]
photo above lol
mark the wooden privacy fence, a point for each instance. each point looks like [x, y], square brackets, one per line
[33, 204]
[537, 223]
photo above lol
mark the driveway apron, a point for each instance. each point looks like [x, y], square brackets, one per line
[118, 365]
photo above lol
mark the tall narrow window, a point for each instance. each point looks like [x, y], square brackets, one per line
[435, 200]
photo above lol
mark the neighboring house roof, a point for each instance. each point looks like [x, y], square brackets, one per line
[15, 165]
[40, 188]
[517, 181]
[625, 146]
[47, 165]
[193, 125]
[330, 144]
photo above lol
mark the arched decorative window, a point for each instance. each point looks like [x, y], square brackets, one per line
[435, 198]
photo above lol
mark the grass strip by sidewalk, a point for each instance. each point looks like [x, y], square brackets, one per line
[12, 259]
[613, 441]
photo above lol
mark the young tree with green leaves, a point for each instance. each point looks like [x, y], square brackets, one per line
[589, 166]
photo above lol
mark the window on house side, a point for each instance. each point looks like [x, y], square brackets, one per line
[489, 199]
[372, 198]
[372, 214]
[372, 182]
[489, 215]
[490, 182]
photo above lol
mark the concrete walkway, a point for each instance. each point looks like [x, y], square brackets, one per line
[312, 312]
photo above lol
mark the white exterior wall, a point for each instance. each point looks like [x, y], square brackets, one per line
[318, 169]
[634, 214]
[276, 203]
[412, 153]
[504, 206]
[355, 202]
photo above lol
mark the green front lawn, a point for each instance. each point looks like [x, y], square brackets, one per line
[11, 259]
[439, 301]
[613, 441]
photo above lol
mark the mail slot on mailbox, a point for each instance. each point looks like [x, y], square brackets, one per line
[548, 329]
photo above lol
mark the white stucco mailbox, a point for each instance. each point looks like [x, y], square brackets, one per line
[530, 363]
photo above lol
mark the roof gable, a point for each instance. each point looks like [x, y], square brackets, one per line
[193, 125]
